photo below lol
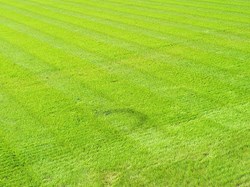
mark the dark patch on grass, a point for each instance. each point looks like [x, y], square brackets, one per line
[205, 154]
[142, 118]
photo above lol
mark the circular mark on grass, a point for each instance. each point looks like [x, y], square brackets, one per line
[123, 118]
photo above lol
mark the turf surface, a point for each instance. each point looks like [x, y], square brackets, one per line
[132, 93]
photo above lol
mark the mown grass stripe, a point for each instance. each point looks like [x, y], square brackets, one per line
[163, 9]
[167, 25]
[15, 170]
[51, 67]
[192, 5]
[183, 19]
[208, 4]
[69, 84]
[66, 117]
[84, 94]
[61, 130]
[132, 15]
[185, 41]
[239, 3]
[104, 37]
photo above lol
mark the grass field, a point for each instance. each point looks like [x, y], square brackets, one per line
[126, 93]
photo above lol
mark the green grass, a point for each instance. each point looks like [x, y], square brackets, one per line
[126, 93]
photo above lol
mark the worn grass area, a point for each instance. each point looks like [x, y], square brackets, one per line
[134, 93]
